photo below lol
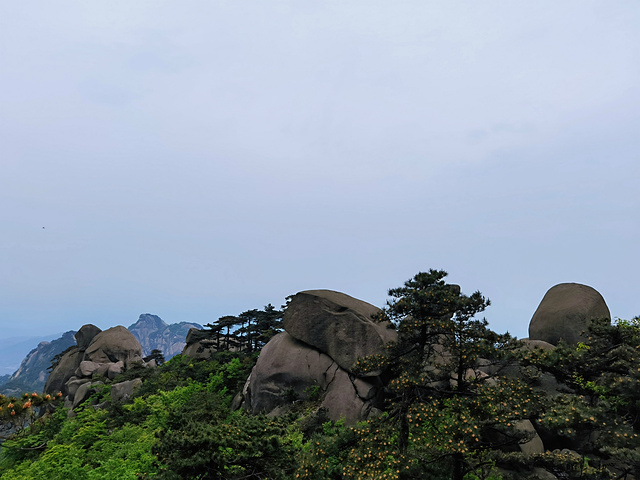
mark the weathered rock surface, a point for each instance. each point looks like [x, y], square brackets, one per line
[537, 344]
[84, 391]
[98, 355]
[199, 345]
[74, 383]
[63, 372]
[288, 370]
[202, 344]
[565, 312]
[123, 390]
[534, 445]
[287, 367]
[85, 335]
[113, 345]
[338, 325]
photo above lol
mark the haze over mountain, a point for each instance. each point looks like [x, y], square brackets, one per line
[34, 369]
[14, 349]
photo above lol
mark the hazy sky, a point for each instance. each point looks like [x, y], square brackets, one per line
[194, 159]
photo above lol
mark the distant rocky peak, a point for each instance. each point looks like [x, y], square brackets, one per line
[155, 334]
[149, 321]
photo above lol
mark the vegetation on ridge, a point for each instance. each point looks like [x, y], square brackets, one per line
[180, 424]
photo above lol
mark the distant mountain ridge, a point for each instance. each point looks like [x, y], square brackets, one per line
[33, 370]
[150, 330]
[14, 349]
[153, 333]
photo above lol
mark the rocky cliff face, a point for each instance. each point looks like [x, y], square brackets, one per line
[153, 333]
[33, 371]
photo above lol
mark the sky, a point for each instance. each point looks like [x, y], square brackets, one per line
[196, 159]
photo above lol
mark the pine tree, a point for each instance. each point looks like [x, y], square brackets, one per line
[602, 418]
[444, 406]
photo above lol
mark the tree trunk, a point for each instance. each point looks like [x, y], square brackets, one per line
[403, 434]
[458, 467]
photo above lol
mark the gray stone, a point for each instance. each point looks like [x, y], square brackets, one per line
[287, 367]
[338, 325]
[85, 335]
[200, 350]
[542, 474]
[65, 369]
[84, 392]
[341, 400]
[287, 370]
[195, 335]
[534, 445]
[73, 384]
[123, 390]
[88, 368]
[537, 344]
[565, 312]
[114, 345]
[115, 369]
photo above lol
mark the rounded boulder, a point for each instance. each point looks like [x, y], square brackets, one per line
[85, 335]
[565, 312]
[116, 344]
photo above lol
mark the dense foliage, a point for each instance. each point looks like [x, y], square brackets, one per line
[458, 399]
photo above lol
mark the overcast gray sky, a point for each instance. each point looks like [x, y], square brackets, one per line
[194, 159]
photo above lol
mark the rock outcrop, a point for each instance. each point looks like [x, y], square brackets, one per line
[98, 355]
[565, 313]
[199, 344]
[116, 344]
[202, 344]
[70, 361]
[325, 333]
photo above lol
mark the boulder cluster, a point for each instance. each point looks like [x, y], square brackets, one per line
[325, 334]
[327, 331]
[98, 355]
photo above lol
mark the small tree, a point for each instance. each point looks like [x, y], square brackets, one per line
[227, 322]
[155, 355]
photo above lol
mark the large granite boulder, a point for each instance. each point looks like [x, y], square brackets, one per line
[62, 373]
[113, 345]
[85, 335]
[566, 312]
[288, 370]
[338, 325]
